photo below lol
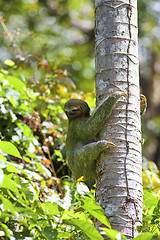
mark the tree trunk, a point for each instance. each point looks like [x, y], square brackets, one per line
[119, 172]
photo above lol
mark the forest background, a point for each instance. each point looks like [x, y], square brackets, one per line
[46, 58]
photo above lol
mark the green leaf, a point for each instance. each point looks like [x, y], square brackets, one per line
[146, 236]
[8, 206]
[11, 168]
[50, 233]
[26, 130]
[42, 168]
[9, 62]
[51, 208]
[16, 83]
[27, 190]
[79, 220]
[59, 155]
[31, 155]
[113, 234]
[6, 229]
[28, 160]
[149, 199]
[9, 184]
[12, 96]
[31, 174]
[2, 158]
[9, 148]
[96, 211]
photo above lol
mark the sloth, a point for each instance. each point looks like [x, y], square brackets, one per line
[82, 146]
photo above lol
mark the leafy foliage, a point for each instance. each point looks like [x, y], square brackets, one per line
[34, 202]
[151, 183]
[62, 31]
[31, 208]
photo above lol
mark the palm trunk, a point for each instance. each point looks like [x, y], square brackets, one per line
[119, 172]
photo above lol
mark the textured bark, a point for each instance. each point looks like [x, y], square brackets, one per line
[119, 173]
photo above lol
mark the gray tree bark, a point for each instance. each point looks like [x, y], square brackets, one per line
[119, 172]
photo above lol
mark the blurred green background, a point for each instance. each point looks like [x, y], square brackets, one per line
[62, 29]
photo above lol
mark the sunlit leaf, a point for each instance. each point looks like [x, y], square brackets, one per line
[8, 206]
[95, 210]
[113, 234]
[51, 208]
[16, 83]
[11, 168]
[9, 148]
[42, 168]
[32, 174]
[144, 236]
[80, 221]
[9, 62]
[146, 180]
[2, 158]
[149, 199]
[12, 96]
[155, 181]
[10, 184]
[59, 155]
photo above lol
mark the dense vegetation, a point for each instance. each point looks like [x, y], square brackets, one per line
[46, 52]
